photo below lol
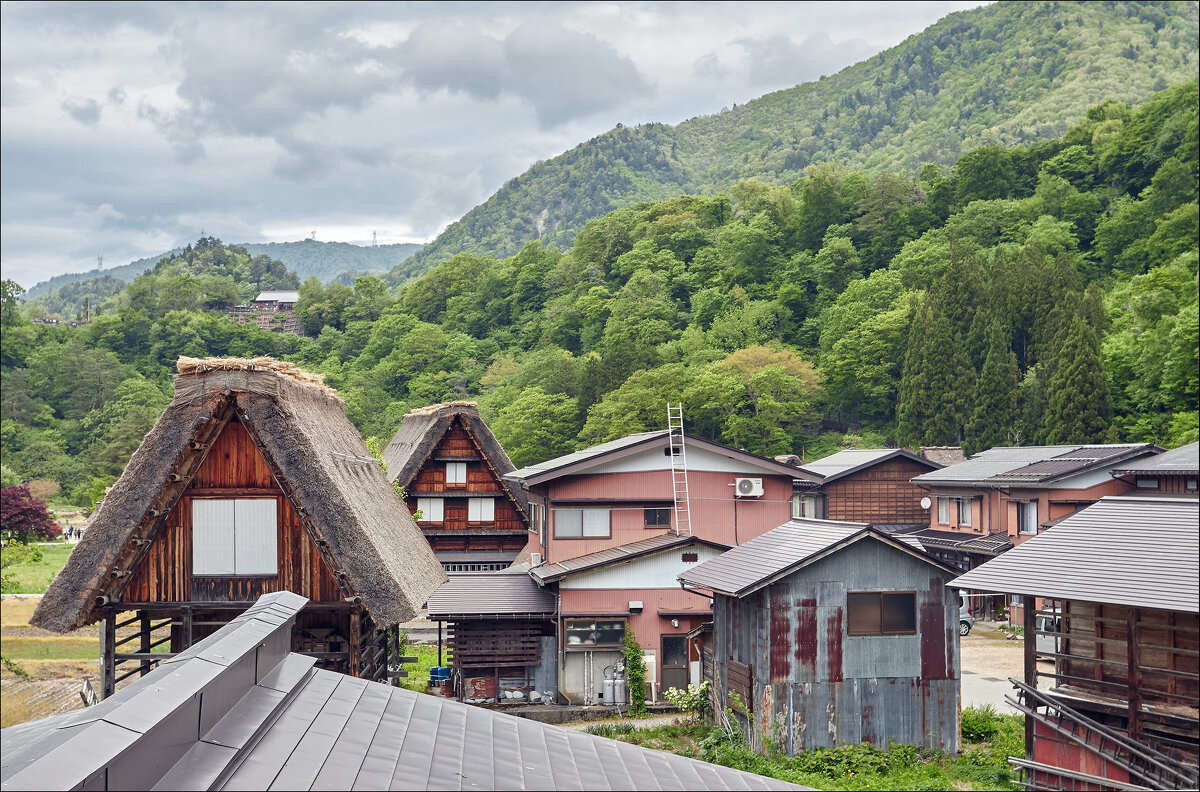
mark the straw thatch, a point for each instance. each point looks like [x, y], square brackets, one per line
[423, 428]
[318, 458]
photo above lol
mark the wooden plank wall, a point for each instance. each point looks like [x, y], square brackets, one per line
[485, 644]
[458, 444]
[1168, 642]
[881, 493]
[233, 468]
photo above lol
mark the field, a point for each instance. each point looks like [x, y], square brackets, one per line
[43, 672]
[35, 577]
[982, 765]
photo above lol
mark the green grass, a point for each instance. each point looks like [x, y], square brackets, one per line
[72, 648]
[35, 577]
[418, 673]
[982, 765]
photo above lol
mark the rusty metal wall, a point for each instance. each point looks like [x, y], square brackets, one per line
[814, 685]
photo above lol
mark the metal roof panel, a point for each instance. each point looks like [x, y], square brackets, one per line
[1136, 551]
[1182, 460]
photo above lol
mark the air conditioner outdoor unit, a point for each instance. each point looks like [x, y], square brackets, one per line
[535, 559]
[748, 487]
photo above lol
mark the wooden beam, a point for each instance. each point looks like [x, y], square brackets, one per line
[108, 639]
[185, 628]
[1031, 671]
[144, 630]
[355, 641]
[1134, 654]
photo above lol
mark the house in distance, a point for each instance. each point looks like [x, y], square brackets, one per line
[452, 469]
[252, 481]
[871, 485]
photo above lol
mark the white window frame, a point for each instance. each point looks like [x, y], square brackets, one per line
[591, 521]
[235, 537]
[481, 509]
[1027, 518]
[797, 508]
[432, 509]
[943, 511]
[964, 508]
[456, 472]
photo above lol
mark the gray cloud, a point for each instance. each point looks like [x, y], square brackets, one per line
[263, 121]
[85, 111]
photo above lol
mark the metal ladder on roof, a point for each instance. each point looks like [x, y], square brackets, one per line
[679, 480]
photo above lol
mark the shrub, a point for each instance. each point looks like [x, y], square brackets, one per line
[694, 699]
[25, 518]
[980, 723]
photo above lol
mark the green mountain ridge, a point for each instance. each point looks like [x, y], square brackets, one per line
[325, 260]
[1008, 73]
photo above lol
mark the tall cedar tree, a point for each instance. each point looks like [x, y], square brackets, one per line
[961, 293]
[950, 382]
[1078, 406]
[995, 407]
[910, 415]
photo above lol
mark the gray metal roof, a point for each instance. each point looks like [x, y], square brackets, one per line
[1182, 460]
[793, 545]
[238, 711]
[1138, 551]
[983, 544]
[843, 463]
[580, 461]
[557, 570]
[490, 594]
[278, 296]
[1031, 465]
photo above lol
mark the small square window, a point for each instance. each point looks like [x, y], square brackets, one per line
[481, 509]
[658, 518]
[881, 613]
[964, 511]
[944, 511]
[1147, 483]
[456, 472]
[431, 509]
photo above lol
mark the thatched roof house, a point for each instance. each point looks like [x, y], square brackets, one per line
[348, 526]
[452, 468]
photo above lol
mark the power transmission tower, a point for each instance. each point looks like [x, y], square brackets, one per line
[99, 261]
[374, 239]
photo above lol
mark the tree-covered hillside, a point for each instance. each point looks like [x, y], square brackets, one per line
[326, 260]
[1009, 73]
[1042, 293]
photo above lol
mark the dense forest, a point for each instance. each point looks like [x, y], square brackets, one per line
[1027, 294]
[1005, 74]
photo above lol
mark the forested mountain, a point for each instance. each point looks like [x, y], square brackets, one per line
[1009, 73]
[325, 260]
[1028, 294]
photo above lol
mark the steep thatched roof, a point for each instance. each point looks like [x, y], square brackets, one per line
[363, 529]
[423, 428]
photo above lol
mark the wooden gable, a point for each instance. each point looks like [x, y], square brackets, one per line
[233, 468]
[482, 480]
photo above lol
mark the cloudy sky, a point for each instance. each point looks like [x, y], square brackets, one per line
[127, 128]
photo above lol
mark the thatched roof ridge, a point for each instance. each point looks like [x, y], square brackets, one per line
[318, 458]
[424, 427]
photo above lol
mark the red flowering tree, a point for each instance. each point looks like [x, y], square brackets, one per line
[24, 517]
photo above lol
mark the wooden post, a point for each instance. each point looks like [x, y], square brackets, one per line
[1134, 640]
[108, 639]
[185, 638]
[395, 633]
[439, 644]
[355, 641]
[1031, 671]
[144, 628]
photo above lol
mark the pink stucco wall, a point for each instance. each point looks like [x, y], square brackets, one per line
[716, 514]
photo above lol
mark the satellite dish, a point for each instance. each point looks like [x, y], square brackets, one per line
[926, 503]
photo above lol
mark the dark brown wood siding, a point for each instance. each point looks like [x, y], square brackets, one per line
[233, 468]
[881, 493]
[482, 481]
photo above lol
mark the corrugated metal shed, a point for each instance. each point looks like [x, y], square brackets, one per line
[1136, 551]
[1182, 460]
[991, 544]
[1031, 465]
[793, 545]
[237, 711]
[490, 594]
[548, 573]
[843, 463]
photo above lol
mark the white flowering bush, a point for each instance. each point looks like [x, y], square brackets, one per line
[695, 699]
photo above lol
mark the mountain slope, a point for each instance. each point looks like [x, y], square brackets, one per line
[1008, 73]
[326, 260]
